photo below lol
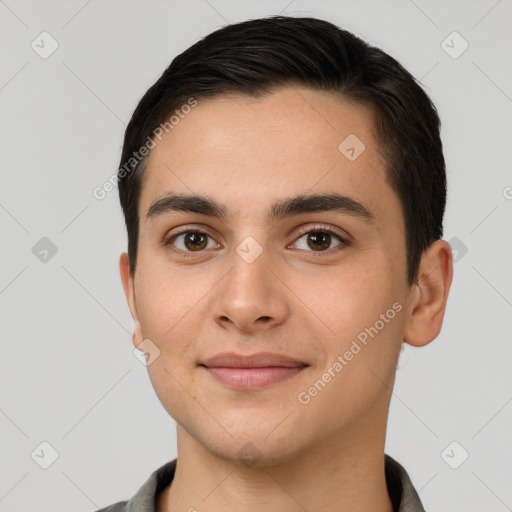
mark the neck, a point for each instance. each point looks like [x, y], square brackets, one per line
[341, 474]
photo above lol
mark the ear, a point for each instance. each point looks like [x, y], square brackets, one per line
[129, 291]
[429, 295]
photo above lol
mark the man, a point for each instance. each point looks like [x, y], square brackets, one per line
[283, 186]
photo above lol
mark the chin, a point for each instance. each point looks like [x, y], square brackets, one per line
[251, 454]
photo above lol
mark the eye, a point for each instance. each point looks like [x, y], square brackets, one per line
[190, 241]
[320, 239]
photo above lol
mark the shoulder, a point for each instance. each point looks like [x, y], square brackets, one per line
[145, 498]
[404, 496]
[120, 506]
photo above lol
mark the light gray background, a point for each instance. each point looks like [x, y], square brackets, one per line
[68, 373]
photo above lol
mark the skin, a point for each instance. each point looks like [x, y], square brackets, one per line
[294, 299]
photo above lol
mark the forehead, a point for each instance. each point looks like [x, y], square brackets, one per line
[250, 151]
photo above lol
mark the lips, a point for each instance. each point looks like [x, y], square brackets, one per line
[259, 360]
[252, 372]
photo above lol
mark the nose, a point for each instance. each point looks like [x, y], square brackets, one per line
[251, 297]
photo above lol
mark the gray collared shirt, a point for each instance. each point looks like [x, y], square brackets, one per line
[401, 491]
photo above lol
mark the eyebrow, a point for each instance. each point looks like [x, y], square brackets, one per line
[279, 210]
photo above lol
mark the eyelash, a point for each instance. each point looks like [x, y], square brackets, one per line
[315, 229]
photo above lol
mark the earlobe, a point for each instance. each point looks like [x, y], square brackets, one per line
[426, 311]
[129, 291]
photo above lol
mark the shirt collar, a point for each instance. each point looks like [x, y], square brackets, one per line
[401, 491]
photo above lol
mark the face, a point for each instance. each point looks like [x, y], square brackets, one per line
[321, 282]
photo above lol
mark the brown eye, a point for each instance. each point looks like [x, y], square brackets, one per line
[319, 240]
[191, 241]
[195, 241]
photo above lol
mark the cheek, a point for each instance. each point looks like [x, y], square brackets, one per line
[350, 297]
[365, 315]
[169, 308]
[167, 303]
[362, 315]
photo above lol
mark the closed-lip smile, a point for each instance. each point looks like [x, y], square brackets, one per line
[251, 372]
